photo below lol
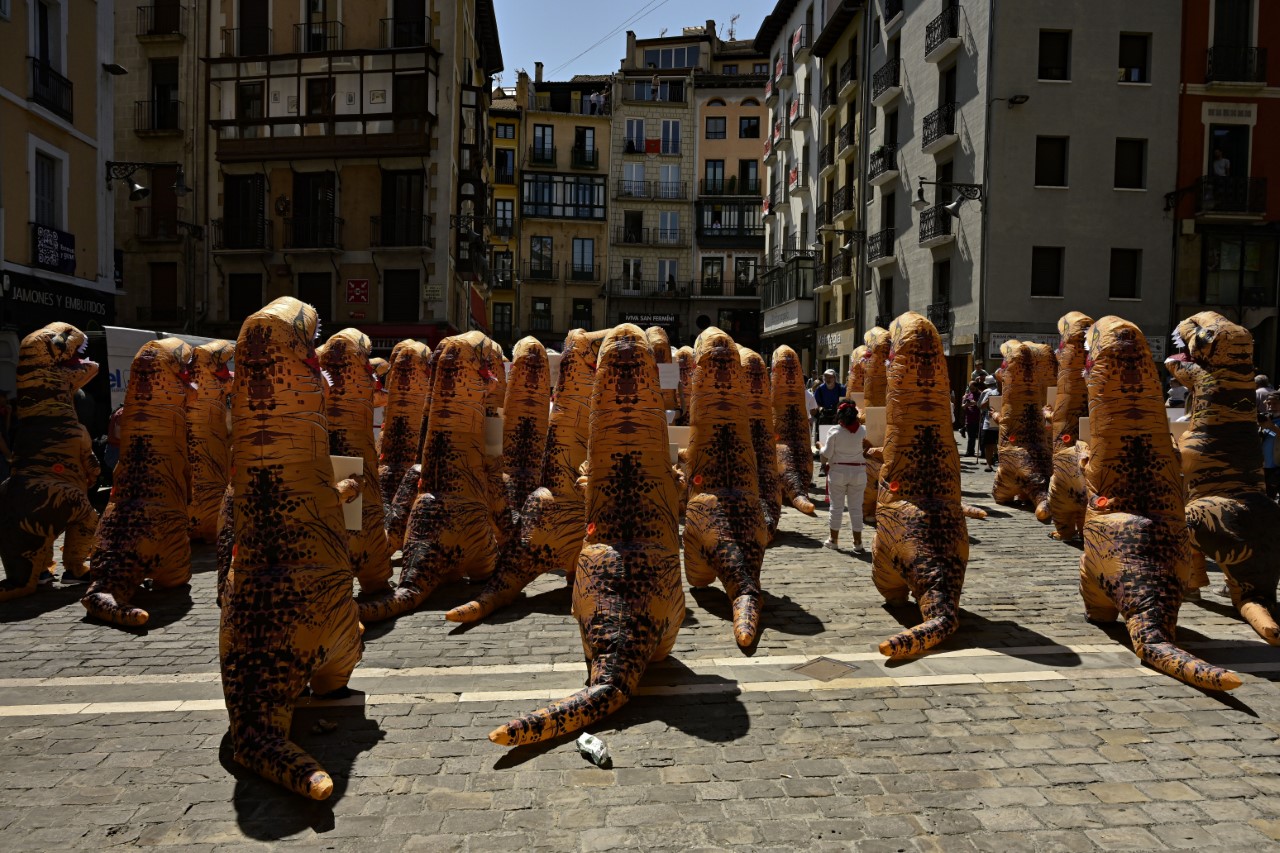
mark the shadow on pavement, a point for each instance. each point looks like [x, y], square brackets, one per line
[267, 812]
[163, 606]
[978, 632]
[554, 602]
[779, 613]
[43, 600]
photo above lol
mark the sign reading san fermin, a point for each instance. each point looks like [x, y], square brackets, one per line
[650, 319]
[53, 250]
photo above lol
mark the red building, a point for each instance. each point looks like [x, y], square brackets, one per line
[1225, 210]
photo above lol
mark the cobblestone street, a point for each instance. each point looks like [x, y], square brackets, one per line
[1029, 730]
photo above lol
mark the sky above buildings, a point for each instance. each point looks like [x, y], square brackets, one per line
[561, 33]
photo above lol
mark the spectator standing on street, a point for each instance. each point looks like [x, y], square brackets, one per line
[811, 406]
[828, 393]
[841, 451]
[1177, 398]
[972, 414]
[990, 426]
[1262, 391]
[1268, 431]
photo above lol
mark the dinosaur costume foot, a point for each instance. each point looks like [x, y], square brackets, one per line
[1261, 619]
[568, 715]
[921, 638]
[1184, 666]
[289, 765]
[746, 619]
[103, 605]
[405, 599]
[10, 591]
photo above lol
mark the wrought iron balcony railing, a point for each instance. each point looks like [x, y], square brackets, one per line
[939, 123]
[883, 159]
[584, 158]
[401, 231]
[880, 245]
[945, 26]
[404, 32]
[670, 189]
[545, 270]
[1231, 196]
[1236, 65]
[939, 314]
[582, 272]
[161, 20]
[318, 231]
[158, 117]
[246, 41]
[935, 222]
[241, 234]
[542, 155]
[317, 36]
[50, 89]
[889, 76]
[841, 200]
[156, 224]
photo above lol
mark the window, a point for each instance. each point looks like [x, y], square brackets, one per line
[668, 227]
[1135, 58]
[749, 127]
[713, 176]
[502, 319]
[245, 225]
[670, 136]
[316, 289]
[544, 143]
[504, 165]
[1238, 271]
[583, 314]
[712, 276]
[716, 102]
[584, 258]
[875, 31]
[1051, 161]
[668, 271]
[884, 299]
[320, 97]
[671, 57]
[503, 216]
[942, 281]
[846, 306]
[314, 210]
[635, 136]
[1046, 270]
[716, 127]
[164, 292]
[631, 274]
[1131, 164]
[729, 69]
[4, 9]
[540, 316]
[1055, 55]
[1126, 273]
[48, 191]
[505, 131]
[563, 196]
[749, 176]
[891, 128]
[744, 275]
[759, 68]
[249, 104]
[244, 295]
[401, 299]
[540, 258]
[503, 269]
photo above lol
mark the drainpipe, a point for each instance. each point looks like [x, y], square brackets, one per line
[979, 343]
[864, 139]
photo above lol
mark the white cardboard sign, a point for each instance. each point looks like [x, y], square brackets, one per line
[344, 467]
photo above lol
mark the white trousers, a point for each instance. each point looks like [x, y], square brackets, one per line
[846, 483]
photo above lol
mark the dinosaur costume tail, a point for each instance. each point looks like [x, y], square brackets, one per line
[746, 619]
[403, 600]
[803, 504]
[287, 764]
[580, 710]
[1185, 666]
[103, 605]
[921, 638]
[1261, 619]
[1042, 510]
[972, 511]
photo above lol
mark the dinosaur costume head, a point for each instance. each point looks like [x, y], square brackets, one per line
[212, 367]
[490, 357]
[875, 365]
[1072, 401]
[1210, 342]
[51, 365]
[345, 359]
[277, 351]
[162, 373]
[1026, 460]
[857, 370]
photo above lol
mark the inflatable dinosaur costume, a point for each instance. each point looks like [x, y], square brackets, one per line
[1066, 487]
[349, 409]
[759, 404]
[922, 542]
[662, 354]
[400, 443]
[725, 529]
[525, 417]
[1136, 543]
[857, 379]
[1026, 460]
[683, 358]
[1228, 512]
[627, 595]
[794, 440]
[45, 494]
[288, 618]
[208, 438]
[875, 386]
[552, 521]
[451, 530]
[145, 531]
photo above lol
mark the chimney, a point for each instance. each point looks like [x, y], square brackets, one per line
[537, 72]
[631, 60]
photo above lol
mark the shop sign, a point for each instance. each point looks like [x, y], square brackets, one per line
[53, 250]
[650, 319]
[62, 302]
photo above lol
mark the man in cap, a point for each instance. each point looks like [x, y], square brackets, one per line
[1263, 389]
[828, 393]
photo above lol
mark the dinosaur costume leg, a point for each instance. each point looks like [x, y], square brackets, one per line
[1229, 528]
[712, 551]
[78, 542]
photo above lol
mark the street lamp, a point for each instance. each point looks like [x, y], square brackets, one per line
[970, 192]
[850, 235]
[123, 170]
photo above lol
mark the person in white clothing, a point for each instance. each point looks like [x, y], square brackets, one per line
[841, 450]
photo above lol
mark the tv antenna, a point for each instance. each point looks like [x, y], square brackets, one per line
[733, 26]
[663, 33]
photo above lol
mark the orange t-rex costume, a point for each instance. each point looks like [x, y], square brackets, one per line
[759, 404]
[45, 493]
[627, 595]
[662, 354]
[1067, 487]
[349, 405]
[683, 358]
[208, 439]
[1026, 460]
[525, 414]
[452, 530]
[400, 443]
[288, 618]
[1137, 548]
[145, 531]
[552, 520]
[857, 372]
[725, 529]
[875, 388]
[1228, 512]
[922, 541]
[794, 441]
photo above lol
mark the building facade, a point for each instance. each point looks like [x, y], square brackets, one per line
[351, 164]
[564, 161]
[1225, 210]
[56, 227]
[505, 135]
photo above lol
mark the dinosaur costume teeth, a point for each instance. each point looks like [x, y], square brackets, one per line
[552, 521]
[144, 532]
[46, 492]
[875, 387]
[451, 529]
[1136, 543]
[759, 402]
[794, 443]
[288, 618]
[1067, 495]
[1228, 512]
[627, 595]
[1026, 460]
[725, 530]
[922, 542]
[400, 444]
[349, 406]
[208, 439]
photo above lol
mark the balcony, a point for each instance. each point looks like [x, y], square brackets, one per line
[650, 236]
[797, 180]
[800, 45]
[503, 279]
[823, 216]
[539, 321]
[769, 205]
[892, 12]
[939, 129]
[783, 73]
[1246, 66]
[942, 36]
[317, 37]
[154, 225]
[241, 235]
[246, 41]
[541, 271]
[781, 136]
[668, 91]
[671, 190]
[582, 273]
[503, 176]
[826, 159]
[770, 153]
[318, 231]
[881, 248]
[883, 167]
[830, 100]
[731, 186]
[841, 204]
[501, 229]
[713, 235]
[1231, 197]
[935, 227]
[584, 158]
[841, 268]
[162, 22]
[939, 314]
[848, 79]
[886, 84]
[633, 189]
[403, 32]
[159, 118]
[770, 92]
[542, 155]
[798, 115]
[400, 232]
[645, 288]
[846, 142]
[49, 89]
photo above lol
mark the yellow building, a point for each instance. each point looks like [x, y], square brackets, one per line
[56, 229]
[505, 138]
[563, 164]
[351, 164]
